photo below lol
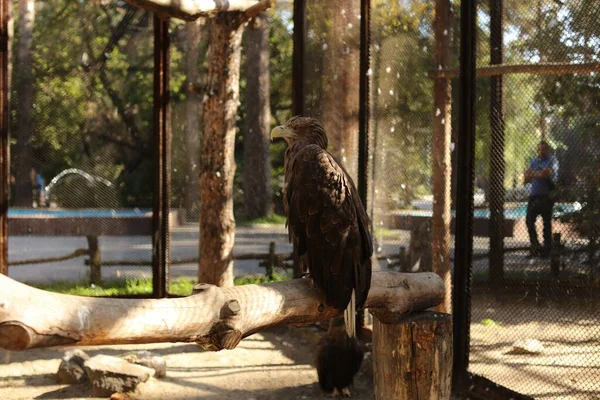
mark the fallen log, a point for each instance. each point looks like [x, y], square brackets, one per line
[215, 318]
[190, 10]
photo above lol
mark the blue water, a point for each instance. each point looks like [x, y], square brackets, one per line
[518, 212]
[90, 213]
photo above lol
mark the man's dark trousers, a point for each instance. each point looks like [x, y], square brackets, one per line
[539, 205]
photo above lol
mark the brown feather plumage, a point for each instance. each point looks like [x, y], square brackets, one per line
[325, 216]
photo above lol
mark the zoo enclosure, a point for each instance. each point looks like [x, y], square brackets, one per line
[397, 123]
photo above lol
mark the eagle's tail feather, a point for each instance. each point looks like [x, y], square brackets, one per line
[350, 316]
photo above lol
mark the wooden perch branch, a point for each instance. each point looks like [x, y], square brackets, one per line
[536, 69]
[190, 10]
[216, 318]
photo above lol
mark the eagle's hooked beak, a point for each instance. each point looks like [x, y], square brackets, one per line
[282, 131]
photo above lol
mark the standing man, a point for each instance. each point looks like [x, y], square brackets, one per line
[39, 188]
[542, 173]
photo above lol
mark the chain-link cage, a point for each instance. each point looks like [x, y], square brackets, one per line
[331, 75]
[411, 136]
[80, 128]
[535, 324]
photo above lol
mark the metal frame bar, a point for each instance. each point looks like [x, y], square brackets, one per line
[298, 57]
[4, 137]
[461, 296]
[497, 163]
[363, 120]
[162, 161]
[363, 98]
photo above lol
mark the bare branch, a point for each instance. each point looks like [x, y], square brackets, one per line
[216, 318]
[190, 10]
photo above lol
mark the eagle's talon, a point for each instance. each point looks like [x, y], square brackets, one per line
[346, 392]
[334, 394]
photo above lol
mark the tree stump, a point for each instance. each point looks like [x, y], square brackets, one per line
[412, 356]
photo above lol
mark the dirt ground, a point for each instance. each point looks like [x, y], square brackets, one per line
[275, 364]
[569, 366]
[278, 364]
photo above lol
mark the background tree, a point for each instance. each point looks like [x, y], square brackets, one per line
[24, 84]
[217, 223]
[193, 117]
[258, 196]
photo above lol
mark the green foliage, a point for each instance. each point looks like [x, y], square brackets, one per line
[95, 113]
[109, 288]
[275, 219]
[253, 280]
[490, 323]
[143, 286]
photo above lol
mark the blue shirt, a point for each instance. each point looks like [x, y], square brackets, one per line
[39, 180]
[541, 187]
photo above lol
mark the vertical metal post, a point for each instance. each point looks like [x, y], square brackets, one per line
[162, 161]
[363, 120]
[363, 98]
[442, 165]
[298, 57]
[461, 296]
[4, 139]
[497, 164]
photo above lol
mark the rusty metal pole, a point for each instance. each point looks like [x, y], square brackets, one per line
[497, 164]
[463, 248]
[4, 137]
[442, 166]
[162, 161]
[298, 59]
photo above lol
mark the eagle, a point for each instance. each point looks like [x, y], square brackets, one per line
[326, 219]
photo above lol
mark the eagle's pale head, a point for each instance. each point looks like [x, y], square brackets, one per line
[301, 129]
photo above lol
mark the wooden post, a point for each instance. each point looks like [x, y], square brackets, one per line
[555, 254]
[271, 262]
[412, 356]
[95, 260]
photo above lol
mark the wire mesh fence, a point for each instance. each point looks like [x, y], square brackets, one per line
[261, 246]
[81, 113]
[536, 287]
[81, 120]
[534, 302]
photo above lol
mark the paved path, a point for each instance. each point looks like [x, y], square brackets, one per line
[184, 244]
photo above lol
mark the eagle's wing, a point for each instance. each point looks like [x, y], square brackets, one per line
[327, 221]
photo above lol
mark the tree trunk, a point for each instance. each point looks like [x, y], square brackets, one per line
[258, 200]
[442, 165]
[341, 99]
[217, 224]
[412, 357]
[24, 90]
[216, 318]
[193, 116]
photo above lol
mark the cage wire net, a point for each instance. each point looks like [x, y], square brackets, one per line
[331, 75]
[402, 114]
[261, 248]
[80, 126]
[535, 324]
